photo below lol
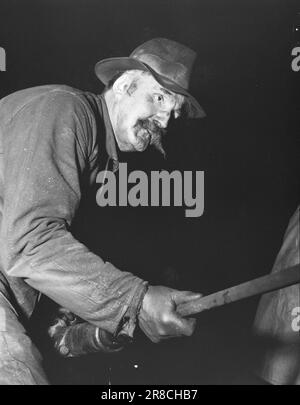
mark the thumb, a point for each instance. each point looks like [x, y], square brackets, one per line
[180, 297]
[184, 326]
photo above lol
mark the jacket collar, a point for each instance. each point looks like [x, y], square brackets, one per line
[111, 146]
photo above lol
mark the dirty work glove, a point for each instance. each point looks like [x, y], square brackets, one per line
[72, 337]
[158, 318]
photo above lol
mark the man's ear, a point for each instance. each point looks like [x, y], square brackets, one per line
[122, 84]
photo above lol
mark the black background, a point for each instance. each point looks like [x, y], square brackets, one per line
[248, 147]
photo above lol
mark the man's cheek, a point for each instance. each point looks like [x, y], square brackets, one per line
[143, 109]
[126, 120]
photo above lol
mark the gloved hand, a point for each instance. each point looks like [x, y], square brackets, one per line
[158, 318]
[72, 337]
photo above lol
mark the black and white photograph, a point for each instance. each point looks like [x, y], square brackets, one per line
[149, 195]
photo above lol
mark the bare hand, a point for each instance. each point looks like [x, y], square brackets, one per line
[158, 318]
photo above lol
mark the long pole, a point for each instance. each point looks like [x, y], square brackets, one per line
[261, 285]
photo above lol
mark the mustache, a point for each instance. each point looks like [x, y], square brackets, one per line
[152, 127]
[156, 133]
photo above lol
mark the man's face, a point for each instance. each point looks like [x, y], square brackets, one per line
[142, 113]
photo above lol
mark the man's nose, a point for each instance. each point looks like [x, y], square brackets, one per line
[163, 118]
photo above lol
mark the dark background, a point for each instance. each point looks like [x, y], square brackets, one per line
[248, 147]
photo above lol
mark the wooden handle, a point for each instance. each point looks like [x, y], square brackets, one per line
[261, 285]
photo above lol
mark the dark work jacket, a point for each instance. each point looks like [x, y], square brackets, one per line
[51, 138]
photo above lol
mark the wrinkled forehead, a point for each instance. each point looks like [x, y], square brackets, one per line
[151, 85]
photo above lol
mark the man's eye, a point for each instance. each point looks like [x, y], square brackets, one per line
[159, 98]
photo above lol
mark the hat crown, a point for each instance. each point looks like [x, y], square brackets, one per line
[168, 61]
[168, 58]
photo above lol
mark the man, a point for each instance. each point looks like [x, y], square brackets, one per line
[278, 318]
[53, 142]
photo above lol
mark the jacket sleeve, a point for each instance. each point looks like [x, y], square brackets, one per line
[45, 155]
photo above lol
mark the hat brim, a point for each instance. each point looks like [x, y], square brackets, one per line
[106, 69]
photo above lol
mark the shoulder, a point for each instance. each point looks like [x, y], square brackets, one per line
[62, 96]
[50, 97]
